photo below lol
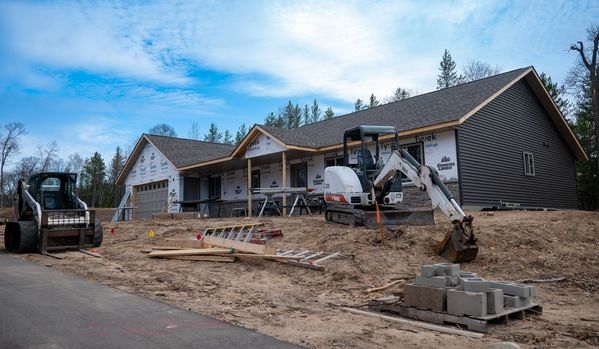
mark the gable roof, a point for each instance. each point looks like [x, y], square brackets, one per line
[179, 151]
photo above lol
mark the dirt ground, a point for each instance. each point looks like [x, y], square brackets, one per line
[302, 305]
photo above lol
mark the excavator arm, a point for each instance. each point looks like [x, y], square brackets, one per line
[459, 245]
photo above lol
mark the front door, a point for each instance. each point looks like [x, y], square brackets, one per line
[299, 175]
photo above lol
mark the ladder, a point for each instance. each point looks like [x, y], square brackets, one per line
[243, 233]
[310, 259]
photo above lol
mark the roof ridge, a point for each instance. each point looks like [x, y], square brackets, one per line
[185, 139]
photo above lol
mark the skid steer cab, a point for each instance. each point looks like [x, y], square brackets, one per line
[49, 216]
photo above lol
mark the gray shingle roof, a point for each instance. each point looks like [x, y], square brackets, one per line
[423, 110]
[182, 152]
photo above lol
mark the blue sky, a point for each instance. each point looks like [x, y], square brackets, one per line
[92, 76]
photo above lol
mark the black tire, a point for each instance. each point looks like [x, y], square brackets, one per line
[21, 236]
[98, 234]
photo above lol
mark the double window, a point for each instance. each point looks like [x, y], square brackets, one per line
[336, 161]
[529, 163]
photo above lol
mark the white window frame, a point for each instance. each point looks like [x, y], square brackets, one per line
[529, 163]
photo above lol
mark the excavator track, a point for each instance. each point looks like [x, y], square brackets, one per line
[388, 216]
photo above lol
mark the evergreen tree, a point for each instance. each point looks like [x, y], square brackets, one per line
[241, 132]
[448, 76]
[400, 94]
[307, 118]
[273, 120]
[95, 171]
[213, 135]
[116, 165]
[329, 113]
[315, 111]
[373, 101]
[359, 105]
[557, 93]
[227, 137]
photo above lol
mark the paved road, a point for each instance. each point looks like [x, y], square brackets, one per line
[43, 308]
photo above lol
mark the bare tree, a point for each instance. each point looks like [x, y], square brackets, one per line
[589, 60]
[194, 131]
[47, 154]
[163, 130]
[9, 144]
[26, 167]
[476, 70]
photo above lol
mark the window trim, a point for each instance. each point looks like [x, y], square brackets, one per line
[528, 161]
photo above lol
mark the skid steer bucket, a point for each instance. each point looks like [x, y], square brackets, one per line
[399, 217]
[459, 244]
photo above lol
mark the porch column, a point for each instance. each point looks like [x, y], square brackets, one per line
[249, 187]
[284, 181]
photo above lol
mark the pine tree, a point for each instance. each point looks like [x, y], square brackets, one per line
[116, 165]
[359, 105]
[241, 132]
[557, 93]
[95, 171]
[448, 76]
[400, 94]
[315, 111]
[273, 120]
[373, 101]
[227, 137]
[213, 135]
[329, 113]
[307, 118]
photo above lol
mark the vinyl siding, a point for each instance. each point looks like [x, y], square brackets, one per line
[491, 145]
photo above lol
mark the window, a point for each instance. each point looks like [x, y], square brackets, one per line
[256, 179]
[529, 164]
[337, 161]
[214, 187]
[51, 184]
[414, 149]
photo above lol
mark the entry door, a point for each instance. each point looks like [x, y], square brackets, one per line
[299, 175]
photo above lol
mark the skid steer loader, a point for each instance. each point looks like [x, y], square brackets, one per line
[49, 216]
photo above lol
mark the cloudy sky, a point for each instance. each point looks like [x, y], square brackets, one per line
[93, 76]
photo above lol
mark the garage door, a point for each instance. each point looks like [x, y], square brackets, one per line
[150, 198]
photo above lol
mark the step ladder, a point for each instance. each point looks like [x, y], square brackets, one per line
[243, 233]
[310, 259]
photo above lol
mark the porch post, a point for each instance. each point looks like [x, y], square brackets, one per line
[249, 187]
[284, 182]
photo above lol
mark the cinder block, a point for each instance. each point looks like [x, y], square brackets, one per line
[435, 281]
[475, 285]
[533, 291]
[427, 270]
[453, 280]
[515, 301]
[511, 289]
[468, 274]
[431, 298]
[466, 303]
[494, 301]
[448, 269]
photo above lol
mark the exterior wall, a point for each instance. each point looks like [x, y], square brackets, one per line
[415, 198]
[491, 146]
[439, 152]
[152, 166]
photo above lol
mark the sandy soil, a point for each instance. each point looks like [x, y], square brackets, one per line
[302, 306]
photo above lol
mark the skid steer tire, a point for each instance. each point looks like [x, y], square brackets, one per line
[21, 236]
[98, 234]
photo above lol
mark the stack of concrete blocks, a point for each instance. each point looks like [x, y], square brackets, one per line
[443, 288]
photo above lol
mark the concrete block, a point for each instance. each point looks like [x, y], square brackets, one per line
[533, 291]
[475, 285]
[515, 301]
[453, 280]
[448, 269]
[511, 289]
[467, 274]
[427, 270]
[466, 303]
[435, 281]
[422, 297]
[494, 301]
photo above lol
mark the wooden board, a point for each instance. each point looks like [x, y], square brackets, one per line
[239, 246]
[181, 243]
[191, 252]
[224, 258]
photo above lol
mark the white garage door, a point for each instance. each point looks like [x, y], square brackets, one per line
[150, 198]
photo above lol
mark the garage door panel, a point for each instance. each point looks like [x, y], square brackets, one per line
[150, 198]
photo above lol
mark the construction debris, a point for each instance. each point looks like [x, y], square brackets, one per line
[443, 294]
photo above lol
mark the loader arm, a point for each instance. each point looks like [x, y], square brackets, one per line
[459, 245]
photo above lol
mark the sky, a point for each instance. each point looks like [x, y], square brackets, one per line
[95, 75]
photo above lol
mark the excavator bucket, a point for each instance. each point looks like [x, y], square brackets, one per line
[459, 245]
[399, 217]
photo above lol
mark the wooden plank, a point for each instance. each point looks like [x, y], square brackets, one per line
[419, 324]
[181, 243]
[239, 245]
[191, 252]
[384, 287]
[225, 259]
[263, 256]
